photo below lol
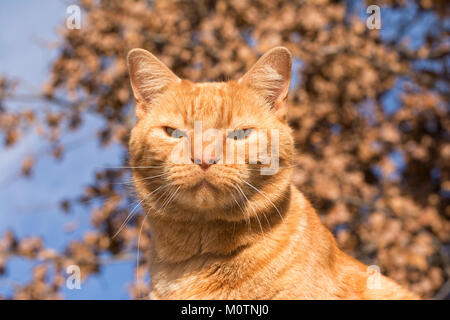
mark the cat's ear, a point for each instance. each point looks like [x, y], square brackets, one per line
[149, 78]
[271, 76]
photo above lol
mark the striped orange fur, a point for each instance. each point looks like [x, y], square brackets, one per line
[225, 231]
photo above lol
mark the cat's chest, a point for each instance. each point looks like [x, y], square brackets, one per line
[239, 278]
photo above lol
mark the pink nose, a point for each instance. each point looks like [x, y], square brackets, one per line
[204, 163]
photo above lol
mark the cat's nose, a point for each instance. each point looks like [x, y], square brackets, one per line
[205, 163]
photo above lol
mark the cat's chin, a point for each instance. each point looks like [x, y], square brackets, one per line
[203, 186]
[203, 196]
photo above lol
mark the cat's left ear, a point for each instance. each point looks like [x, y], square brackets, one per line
[149, 78]
[271, 76]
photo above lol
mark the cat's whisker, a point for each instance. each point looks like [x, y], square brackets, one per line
[246, 214]
[130, 215]
[126, 183]
[137, 254]
[167, 202]
[162, 194]
[153, 177]
[162, 187]
[282, 167]
[242, 210]
[267, 220]
[260, 192]
[132, 180]
[255, 213]
[146, 167]
[265, 217]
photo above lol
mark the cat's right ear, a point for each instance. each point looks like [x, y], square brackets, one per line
[270, 76]
[149, 78]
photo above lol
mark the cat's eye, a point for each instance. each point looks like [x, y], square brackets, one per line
[239, 134]
[175, 133]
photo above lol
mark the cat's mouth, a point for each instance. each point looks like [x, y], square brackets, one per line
[204, 184]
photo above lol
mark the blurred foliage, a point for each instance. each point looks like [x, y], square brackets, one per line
[379, 178]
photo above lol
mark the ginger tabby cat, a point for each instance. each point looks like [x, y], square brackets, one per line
[224, 230]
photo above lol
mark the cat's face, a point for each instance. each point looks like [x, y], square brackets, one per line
[202, 146]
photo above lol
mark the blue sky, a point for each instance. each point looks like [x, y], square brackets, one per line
[30, 206]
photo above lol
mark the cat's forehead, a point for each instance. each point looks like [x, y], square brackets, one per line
[212, 103]
[207, 88]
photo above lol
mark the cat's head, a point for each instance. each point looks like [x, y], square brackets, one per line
[205, 147]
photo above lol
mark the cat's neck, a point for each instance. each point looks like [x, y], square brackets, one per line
[176, 241]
